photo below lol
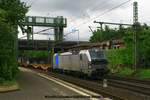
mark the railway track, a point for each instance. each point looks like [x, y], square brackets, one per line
[87, 84]
[132, 80]
[93, 86]
[118, 89]
[135, 87]
[115, 94]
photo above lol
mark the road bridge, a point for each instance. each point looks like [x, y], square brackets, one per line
[46, 44]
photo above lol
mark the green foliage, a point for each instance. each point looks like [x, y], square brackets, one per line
[8, 83]
[12, 12]
[119, 58]
[6, 51]
[143, 74]
[15, 9]
[125, 57]
[107, 34]
[126, 72]
[144, 45]
[32, 54]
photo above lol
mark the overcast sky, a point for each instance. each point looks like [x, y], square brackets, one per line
[81, 13]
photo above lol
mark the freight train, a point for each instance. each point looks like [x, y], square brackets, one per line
[90, 62]
[35, 62]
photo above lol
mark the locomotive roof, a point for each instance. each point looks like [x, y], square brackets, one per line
[66, 53]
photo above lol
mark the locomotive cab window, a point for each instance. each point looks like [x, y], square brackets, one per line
[97, 54]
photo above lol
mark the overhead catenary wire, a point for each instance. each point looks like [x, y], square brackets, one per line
[39, 32]
[68, 34]
[109, 10]
[93, 8]
[104, 3]
[105, 12]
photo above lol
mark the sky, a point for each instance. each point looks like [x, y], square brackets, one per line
[81, 13]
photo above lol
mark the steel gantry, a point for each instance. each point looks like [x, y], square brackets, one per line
[57, 23]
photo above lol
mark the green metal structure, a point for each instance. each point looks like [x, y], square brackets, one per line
[58, 23]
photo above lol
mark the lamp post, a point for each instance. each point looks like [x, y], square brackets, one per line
[77, 30]
[78, 37]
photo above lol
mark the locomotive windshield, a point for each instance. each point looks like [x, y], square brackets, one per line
[97, 54]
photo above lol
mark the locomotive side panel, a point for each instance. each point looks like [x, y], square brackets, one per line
[65, 62]
[75, 63]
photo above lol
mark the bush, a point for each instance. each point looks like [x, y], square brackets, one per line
[2, 80]
[12, 13]
[119, 58]
[125, 72]
[33, 54]
[143, 73]
[8, 60]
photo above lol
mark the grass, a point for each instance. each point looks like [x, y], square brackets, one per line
[143, 74]
[139, 74]
[7, 83]
[7, 86]
[125, 72]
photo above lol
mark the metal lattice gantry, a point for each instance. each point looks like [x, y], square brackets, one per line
[45, 21]
[58, 23]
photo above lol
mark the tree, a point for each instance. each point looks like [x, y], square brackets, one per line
[144, 47]
[126, 34]
[12, 13]
[15, 9]
[107, 34]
